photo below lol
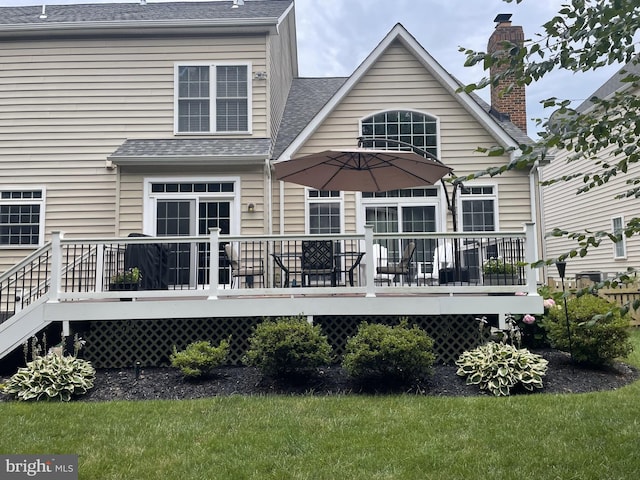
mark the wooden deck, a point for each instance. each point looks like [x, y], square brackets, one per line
[68, 281]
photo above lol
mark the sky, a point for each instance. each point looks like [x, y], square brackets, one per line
[335, 36]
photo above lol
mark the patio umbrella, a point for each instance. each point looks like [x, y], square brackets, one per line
[361, 170]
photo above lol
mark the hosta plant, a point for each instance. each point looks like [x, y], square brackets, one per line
[499, 367]
[199, 358]
[51, 377]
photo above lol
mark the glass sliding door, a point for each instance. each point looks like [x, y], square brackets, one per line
[174, 218]
[403, 219]
[384, 220]
[213, 214]
[191, 207]
[188, 263]
[421, 219]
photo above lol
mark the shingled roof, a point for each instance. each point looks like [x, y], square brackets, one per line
[612, 85]
[306, 97]
[265, 11]
[192, 151]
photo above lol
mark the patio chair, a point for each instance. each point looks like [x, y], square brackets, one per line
[318, 259]
[449, 270]
[380, 255]
[357, 258]
[249, 268]
[442, 259]
[400, 269]
[285, 270]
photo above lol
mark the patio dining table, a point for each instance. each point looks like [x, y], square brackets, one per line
[290, 266]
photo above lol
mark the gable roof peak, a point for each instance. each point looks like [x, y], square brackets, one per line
[498, 130]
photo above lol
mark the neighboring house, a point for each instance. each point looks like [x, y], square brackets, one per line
[595, 210]
[164, 119]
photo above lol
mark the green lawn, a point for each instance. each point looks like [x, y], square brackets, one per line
[541, 436]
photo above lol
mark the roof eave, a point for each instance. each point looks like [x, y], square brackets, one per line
[446, 79]
[187, 160]
[258, 25]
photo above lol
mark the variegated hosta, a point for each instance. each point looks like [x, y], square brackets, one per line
[50, 377]
[499, 367]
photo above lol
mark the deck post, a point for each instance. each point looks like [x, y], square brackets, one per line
[214, 263]
[56, 266]
[370, 271]
[530, 257]
[100, 268]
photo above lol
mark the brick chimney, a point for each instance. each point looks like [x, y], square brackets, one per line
[512, 106]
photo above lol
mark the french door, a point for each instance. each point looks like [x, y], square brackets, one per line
[398, 218]
[188, 217]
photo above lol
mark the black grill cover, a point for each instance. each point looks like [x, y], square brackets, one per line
[152, 260]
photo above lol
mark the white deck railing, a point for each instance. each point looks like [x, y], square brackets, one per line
[442, 263]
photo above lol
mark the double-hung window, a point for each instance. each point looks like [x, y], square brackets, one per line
[619, 247]
[212, 98]
[478, 213]
[21, 217]
[479, 209]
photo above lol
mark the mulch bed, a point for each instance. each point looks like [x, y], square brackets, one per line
[168, 383]
[562, 376]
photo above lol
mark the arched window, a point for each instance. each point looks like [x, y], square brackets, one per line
[414, 128]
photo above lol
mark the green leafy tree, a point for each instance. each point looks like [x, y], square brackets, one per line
[584, 35]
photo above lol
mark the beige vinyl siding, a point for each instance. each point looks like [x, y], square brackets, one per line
[587, 211]
[116, 89]
[65, 106]
[10, 257]
[132, 197]
[281, 57]
[399, 81]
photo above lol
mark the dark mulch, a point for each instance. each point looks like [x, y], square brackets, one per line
[168, 383]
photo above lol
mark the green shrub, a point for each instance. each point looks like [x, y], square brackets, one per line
[51, 377]
[199, 358]
[599, 333]
[498, 367]
[287, 345]
[397, 352]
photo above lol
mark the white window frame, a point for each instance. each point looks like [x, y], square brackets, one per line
[213, 130]
[400, 202]
[400, 108]
[623, 241]
[313, 200]
[27, 201]
[461, 198]
[151, 198]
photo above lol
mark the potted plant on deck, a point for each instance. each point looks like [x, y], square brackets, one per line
[498, 272]
[126, 280]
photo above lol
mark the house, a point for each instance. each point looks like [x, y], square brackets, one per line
[595, 210]
[153, 128]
